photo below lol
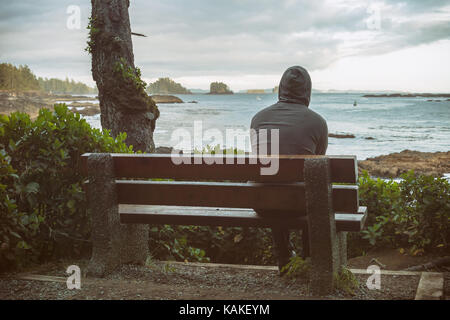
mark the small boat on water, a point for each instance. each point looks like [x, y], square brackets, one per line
[258, 98]
[355, 104]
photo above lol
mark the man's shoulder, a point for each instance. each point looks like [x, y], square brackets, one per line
[262, 114]
[317, 116]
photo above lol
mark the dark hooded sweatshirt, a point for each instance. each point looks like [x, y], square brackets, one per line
[301, 130]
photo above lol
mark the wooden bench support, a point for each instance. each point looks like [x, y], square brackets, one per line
[324, 241]
[113, 243]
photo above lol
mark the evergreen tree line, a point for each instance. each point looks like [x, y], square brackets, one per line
[64, 86]
[17, 78]
[22, 79]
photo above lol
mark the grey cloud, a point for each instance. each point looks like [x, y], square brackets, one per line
[414, 6]
[204, 37]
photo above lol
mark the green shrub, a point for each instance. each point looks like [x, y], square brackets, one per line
[46, 200]
[297, 267]
[11, 226]
[413, 213]
[346, 281]
[215, 244]
[170, 243]
[426, 220]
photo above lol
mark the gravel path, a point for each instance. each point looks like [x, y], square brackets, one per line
[168, 281]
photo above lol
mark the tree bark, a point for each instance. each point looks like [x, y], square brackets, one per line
[124, 104]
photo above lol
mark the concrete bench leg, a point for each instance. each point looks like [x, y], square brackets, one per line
[134, 249]
[324, 241]
[305, 243]
[112, 243]
[342, 238]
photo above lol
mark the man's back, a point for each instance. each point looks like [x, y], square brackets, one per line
[301, 130]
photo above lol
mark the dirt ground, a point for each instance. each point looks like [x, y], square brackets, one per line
[392, 259]
[167, 281]
[163, 281]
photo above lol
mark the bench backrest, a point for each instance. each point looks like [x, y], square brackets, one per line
[222, 181]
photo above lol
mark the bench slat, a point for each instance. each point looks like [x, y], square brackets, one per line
[226, 217]
[267, 196]
[343, 168]
[213, 194]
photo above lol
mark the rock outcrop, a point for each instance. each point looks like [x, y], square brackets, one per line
[166, 99]
[219, 88]
[30, 104]
[394, 164]
[341, 136]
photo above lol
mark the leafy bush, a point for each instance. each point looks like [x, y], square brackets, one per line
[413, 213]
[297, 267]
[426, 222]
[42, 187]
[11, 242]
[345, 280]
[215, 244]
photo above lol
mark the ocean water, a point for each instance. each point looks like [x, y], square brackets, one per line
[380, 125]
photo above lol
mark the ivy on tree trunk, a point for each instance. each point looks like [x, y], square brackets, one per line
[124, 104]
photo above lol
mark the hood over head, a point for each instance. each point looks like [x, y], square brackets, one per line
[295, 86]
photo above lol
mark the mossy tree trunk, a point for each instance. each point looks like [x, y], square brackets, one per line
[124, 104]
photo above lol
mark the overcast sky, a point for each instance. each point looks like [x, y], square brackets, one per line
[345, 44]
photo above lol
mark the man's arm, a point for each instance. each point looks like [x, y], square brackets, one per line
[322, 146]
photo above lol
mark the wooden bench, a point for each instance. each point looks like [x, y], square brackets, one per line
[216, 191]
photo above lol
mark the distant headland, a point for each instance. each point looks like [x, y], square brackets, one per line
[408, 95]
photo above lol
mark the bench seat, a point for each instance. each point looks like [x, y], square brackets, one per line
[226, 217]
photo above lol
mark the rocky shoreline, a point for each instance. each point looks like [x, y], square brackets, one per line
[32, 102]
[394, 164]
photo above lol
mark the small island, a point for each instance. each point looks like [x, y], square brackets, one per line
[219, 88]
[166, 86]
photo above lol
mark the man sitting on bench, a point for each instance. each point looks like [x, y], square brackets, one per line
[301, 132]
